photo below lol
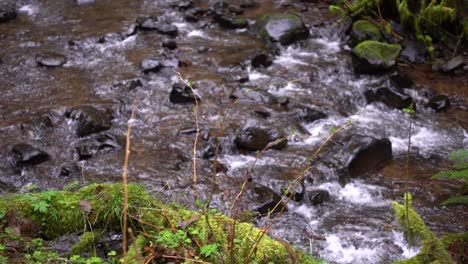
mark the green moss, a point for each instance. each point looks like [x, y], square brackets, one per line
[366, 29]
[375, 50]
[99, 207]
[433, 248]
[135, 251]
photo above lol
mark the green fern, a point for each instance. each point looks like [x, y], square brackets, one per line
[459, 172]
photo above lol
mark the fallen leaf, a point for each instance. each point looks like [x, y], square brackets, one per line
[186, 223]
[85, 206]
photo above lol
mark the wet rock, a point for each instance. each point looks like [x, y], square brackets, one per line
[253, 136]
[368, 155]
[70, 170]
[389, 97]
[50, 59]
[147, 23]
[268, 200]
[130, 31]
[150, 65]
[167, 29]
[23, 155]
[90, 120]
[364, 30]
[317, 197]
[182, 5]
[439, 103]
[262, 97]
[84, 2]
[283, 28]
[296, 191]
[373, 57]
[99, 144]
[169, 44]
[7, 10]
[246, 4]
[414, 52]
[261, 60]
[181, 94]
[452, 64]
[307, 115]
[230, 22]
[401, 80]
[194, 15]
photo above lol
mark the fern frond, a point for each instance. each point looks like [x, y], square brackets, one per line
[458, 175]
[461, 155]
[456, 200]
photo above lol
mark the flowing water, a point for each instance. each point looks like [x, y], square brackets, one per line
[353, 227]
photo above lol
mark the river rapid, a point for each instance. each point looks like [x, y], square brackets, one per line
[104, 51]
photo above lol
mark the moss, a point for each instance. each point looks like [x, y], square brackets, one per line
[135, 251]
[86, 243]
[433, 248]
[99, 207]
[375, 50]
[365, 29]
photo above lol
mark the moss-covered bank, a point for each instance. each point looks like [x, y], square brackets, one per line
[160, 232]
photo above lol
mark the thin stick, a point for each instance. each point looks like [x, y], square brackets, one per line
[125, 183]
[195, 143]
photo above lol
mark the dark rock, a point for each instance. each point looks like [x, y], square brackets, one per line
[369, 155]
[167, 29]
[308, 115]
[401, 80]
[50, 59]
[453, 64]
[23, 155]
[230, 22]
[130, 31]
[283, 28]
[248, 4]
[439, 103]
[203, 49]
[268, 200]
[389, 97]
[262, 112]
[147, 23]
[253, 136]
[194, 15]
[84, 2]
[317, 197]
[262, 97]
[295, 191]
[150, 65]
[261, 60]
[170, 44]
[90, 120]
[181, 94]
[70, 170]
[414, 52]
[96, 145]
[373, 57]
[7, 10]
[182, 5]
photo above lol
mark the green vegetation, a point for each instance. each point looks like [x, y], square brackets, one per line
[366, 30]
[375, 50]
[459, 172]
[433, 251]
[161, 232]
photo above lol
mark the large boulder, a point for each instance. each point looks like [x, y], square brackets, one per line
[7, 10]
[369, 155]
[390, 97]
[23, 155]
[283, 28]
[374, 57]
[90, 120]
[253, 136]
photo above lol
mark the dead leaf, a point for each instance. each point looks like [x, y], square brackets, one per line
[184, 224]
[85, 206]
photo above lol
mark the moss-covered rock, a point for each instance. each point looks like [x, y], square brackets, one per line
[168, 229]
[373, 57]
[283, 28]
[364, 30]
[433, 250]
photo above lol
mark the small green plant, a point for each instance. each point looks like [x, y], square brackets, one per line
[171, 239]
[459, 172]
[208, 250]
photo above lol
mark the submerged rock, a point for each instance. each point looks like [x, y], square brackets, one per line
[401, 80]
[317, 197]
[150, 65]
[308, 115]
[283, 28]
[23, 155]
[90, 120]
[230, 22]
[439, 103]
[50, 59]
[7, 10]
[100, 144]
[369, 154]
[373, 57]
[389, 97]
[261, 60]
[253, 136]
[181, 94]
